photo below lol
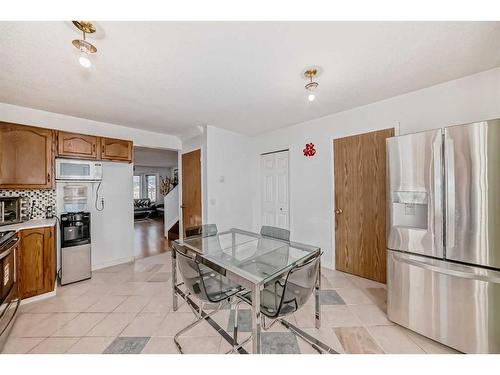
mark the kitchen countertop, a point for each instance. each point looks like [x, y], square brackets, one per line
[30, 224]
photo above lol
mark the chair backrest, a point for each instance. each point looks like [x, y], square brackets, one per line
[190, 272]
[202, 230]
[299, 285]
[274, 232]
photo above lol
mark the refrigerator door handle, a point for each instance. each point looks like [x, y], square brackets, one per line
[448, 272]
[438, 192]
[450, 191]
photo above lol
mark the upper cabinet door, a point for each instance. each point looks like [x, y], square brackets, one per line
[77, 145]
[116, 149]
[26, 156]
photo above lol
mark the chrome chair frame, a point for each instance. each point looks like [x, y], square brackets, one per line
[273, 320]
[203, 230]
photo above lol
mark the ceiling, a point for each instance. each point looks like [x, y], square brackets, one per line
[172, 77]
[153, 157]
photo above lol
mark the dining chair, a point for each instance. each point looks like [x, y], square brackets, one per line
[283, 296]
[207, 286]
[203, 282]
[203, 230]
[275, 232]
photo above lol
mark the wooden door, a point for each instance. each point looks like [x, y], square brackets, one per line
[274, 180]
[36, 262]
[116, 149]
[77, 145]
[26, 157]
[360, 204]
[191, 189]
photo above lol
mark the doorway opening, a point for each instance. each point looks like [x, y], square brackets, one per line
[154, 186]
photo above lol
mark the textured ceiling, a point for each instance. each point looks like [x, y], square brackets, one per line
[170, 77]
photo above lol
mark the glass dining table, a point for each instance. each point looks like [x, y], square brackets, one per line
[250, 260]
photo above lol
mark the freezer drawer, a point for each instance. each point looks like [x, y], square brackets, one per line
[414, 201]
[472, 166]
[456, 305]
[75, 264]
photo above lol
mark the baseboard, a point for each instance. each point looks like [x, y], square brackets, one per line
[112, 263]
[39, 297]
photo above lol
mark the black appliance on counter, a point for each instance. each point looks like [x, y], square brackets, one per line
[75, 247]
[9, 301]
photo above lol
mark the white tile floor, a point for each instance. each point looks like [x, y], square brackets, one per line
[128, 308]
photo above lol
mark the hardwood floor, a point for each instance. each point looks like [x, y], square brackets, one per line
[149, 238]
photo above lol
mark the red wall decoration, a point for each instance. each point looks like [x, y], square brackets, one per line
[309, 150]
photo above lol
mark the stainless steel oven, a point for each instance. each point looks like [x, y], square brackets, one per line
[9, 301]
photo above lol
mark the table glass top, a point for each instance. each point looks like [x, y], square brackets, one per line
[257, 259]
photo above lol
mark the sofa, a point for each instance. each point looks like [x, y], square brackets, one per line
[144, 208]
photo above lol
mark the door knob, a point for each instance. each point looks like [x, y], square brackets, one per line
[338, 211]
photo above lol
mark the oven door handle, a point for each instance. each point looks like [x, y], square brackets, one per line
[7, 252]
[17, 302]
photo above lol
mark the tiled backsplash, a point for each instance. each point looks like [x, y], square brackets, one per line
[40, 198]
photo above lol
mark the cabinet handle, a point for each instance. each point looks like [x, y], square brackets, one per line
[48, 177]
[102, 149]
[93, 147]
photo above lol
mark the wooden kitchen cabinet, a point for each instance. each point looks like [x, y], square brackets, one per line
[26, 157]
[36, 261]
[116, 149]
[74, 145]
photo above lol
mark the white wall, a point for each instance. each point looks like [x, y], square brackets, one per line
[171, 205]
[112, 229]
[230, 173]
[35, 117]
[472, 98]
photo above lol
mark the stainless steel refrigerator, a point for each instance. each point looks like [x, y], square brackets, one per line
[443, 257]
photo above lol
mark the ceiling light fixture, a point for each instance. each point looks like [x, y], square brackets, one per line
[311, 87]
[86, 48]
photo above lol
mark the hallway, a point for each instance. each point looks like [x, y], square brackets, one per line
[149, 238]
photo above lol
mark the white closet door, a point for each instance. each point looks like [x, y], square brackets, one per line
[275, 196]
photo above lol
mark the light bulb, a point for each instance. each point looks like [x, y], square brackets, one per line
[84, 60]
[311, 97]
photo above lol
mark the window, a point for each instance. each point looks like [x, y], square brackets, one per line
[145, 186]
[151, 187]
[137, 187]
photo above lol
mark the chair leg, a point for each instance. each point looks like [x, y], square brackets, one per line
[199, 319]
[235, 326]
[298, 334]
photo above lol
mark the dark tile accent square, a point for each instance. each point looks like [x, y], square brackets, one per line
[244, 321]
[330, 297]
[279, 343]
[127, 345]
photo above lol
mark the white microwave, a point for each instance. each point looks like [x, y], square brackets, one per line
[78, 170]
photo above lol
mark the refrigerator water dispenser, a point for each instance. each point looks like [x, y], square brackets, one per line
[409, 209]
